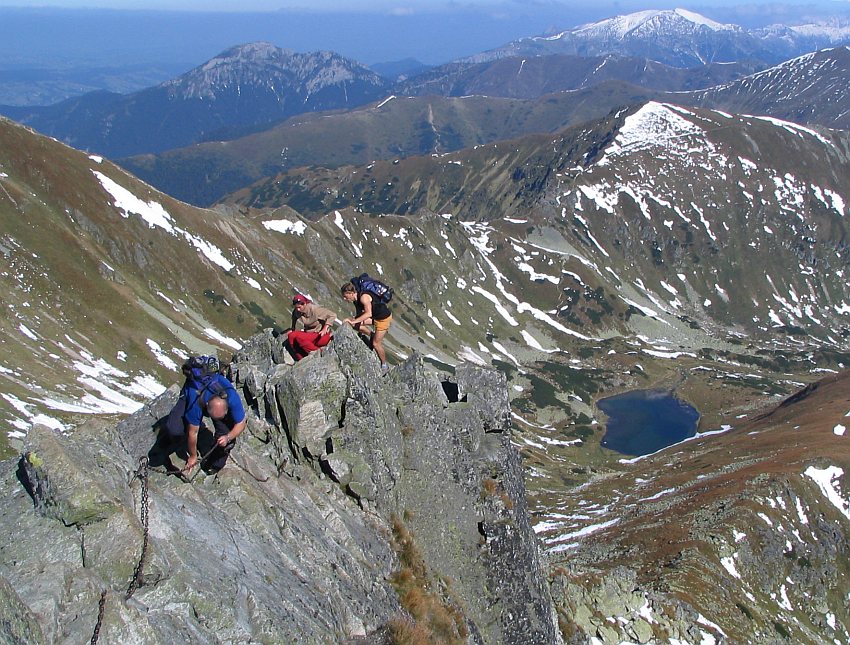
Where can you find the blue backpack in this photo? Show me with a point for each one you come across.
(364, 284)
(201, 369)
(200, 374)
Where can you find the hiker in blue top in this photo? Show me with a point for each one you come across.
(220, 402)
(206, 393)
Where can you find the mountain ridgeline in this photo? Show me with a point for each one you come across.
(809, 89)
(251, 87)
(497, 100)
(679, 38)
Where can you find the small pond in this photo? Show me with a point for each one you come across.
(641, 422)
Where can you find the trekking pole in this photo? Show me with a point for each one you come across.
(201, 462)
(207, 454)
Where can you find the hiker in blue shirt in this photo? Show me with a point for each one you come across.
(219, 401)
(205, 393)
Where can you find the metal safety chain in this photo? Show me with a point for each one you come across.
(141, 474)
(101, 607)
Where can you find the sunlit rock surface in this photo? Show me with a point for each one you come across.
(292, 541)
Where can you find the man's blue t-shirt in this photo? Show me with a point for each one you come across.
(218, 383)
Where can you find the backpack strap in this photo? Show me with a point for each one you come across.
(222, 392)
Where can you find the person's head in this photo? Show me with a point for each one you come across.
(217, 407)
(349, 292)
(299, 302)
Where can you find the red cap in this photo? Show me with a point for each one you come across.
(300, 300)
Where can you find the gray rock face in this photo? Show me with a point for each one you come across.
(291, 541)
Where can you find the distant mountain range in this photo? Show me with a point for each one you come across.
(679, 38)
(396, 127)
(399, 127)
(399, 69)
(251, 87)
(47, 86)
(243, 89)
(582, 89)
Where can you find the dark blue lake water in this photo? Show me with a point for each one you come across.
(644, 421)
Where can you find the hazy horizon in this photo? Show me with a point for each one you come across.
(376, 31)
(507, 8)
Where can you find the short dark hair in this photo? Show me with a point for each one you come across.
(348, 288)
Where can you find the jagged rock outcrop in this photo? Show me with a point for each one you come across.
(300, 538)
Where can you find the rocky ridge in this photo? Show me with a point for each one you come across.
(345, 487)
(808, 89)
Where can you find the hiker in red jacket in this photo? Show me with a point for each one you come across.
(315, 325)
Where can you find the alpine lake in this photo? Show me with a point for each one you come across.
(641, 422)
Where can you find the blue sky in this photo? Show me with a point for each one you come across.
(507, 8)
(397, 7)
(369, 31)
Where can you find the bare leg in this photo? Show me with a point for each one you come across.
(365, 331)
(378, 345)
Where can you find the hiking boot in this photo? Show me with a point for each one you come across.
(384, 369)
(213, 469)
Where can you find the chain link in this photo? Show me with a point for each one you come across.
(135, 583)
(100, 609)
(142, 474)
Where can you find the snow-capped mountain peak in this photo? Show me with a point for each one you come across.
(833, 31)
(679, 38)
(645, 22)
